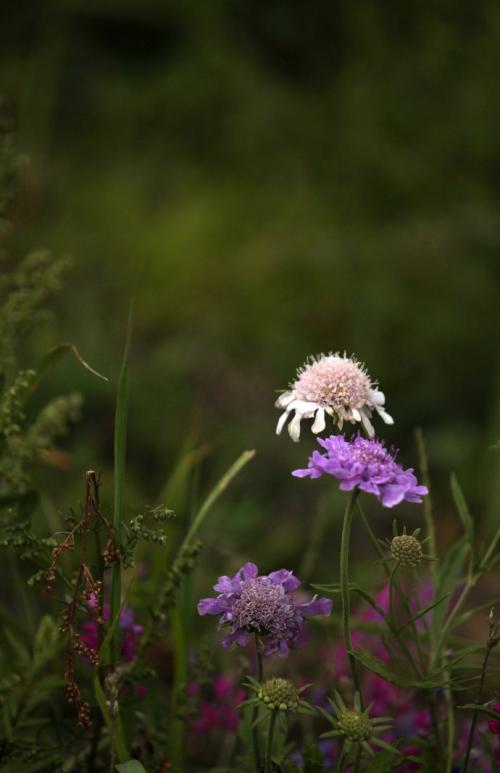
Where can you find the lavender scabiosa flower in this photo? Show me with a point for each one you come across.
(366, 465)
(262, 605)
(334, 384)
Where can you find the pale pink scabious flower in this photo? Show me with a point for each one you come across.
(332, 384)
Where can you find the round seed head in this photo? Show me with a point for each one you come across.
(279, 694)
(354, 725)
(334, 380)
(406, 550)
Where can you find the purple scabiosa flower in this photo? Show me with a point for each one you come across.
(331, 384)
(366, 465)
(263, 605)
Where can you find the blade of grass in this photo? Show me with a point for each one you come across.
(178, 619)
(217, 490)
(120, 444)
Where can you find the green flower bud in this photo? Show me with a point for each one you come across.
(406, 550)
(354, 725)
(279, 694)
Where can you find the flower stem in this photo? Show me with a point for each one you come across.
(479, 700)
(269, 746)
(255, 712)
(341, 760)
(344, 588)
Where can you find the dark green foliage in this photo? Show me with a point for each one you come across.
(137, 530)
(182, 566)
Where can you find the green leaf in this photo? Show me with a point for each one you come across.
(47, 642)
(480, 708)
(447, 580)
(313, 759)
(462, 508)
(217, 490)
(423, 612)
(55, 354)
(335, 588)
(382, 762)
(373, 663)
(131, 766)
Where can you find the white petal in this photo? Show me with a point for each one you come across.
(356, 414)
(294, 427)
(281, 422)
(365, 421)
(284, 399)
(319, 421)
(383, 415)
(377, 398)
(303, 407)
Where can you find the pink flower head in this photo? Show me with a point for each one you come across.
(336, 385)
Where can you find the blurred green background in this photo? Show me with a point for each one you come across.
(268, 180)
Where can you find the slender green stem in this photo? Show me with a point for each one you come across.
(255, 711)
(450, 738)
(428, 512)
(120, 442)
(470, 582)
(269, 745)
(391, 595)
(341, 760)
(479, 700)
(344, 588)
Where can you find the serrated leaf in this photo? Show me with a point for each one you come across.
(462, 508)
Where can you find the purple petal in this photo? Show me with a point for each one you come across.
(212, 606)
(239, 636)
(392, 495)
(285, 578)
(316, 606)
(307, 473)
(283, 648)
(226, 584)
(247, 572)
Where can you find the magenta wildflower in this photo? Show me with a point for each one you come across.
(494, 724)
(218, 709)
(262, 605)
(366, 465)
(131, 631)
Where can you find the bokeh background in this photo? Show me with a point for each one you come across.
(267, 180)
